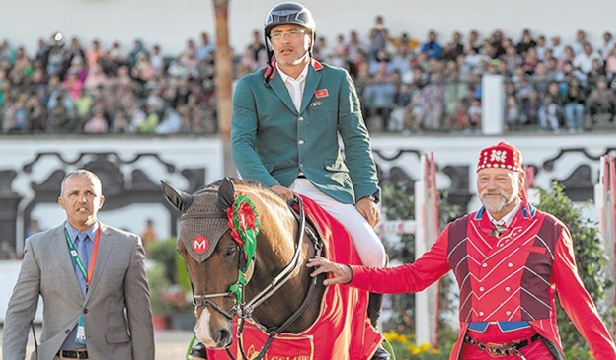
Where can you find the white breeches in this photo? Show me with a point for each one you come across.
(367, 244)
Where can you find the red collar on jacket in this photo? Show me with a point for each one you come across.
(269, 73)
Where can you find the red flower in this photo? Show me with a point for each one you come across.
(246, 219)
(246, 216)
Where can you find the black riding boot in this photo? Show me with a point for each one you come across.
(198, 352)
(375, 303)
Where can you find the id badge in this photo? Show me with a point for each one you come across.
(80, 337)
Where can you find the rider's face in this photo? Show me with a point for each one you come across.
(290, 43)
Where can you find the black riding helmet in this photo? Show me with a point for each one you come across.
(287, 13)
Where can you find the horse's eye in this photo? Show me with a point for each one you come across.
(230, 252)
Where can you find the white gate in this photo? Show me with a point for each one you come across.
(426, 229)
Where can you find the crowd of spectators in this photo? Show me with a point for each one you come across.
(405, 84)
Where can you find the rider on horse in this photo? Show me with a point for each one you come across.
(285, 130)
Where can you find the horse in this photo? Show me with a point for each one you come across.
(245, 251)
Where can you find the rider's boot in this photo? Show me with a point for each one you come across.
(198, 352)
(375, 303)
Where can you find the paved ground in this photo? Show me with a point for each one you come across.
(170, 345)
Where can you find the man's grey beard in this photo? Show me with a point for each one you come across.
(494, 205)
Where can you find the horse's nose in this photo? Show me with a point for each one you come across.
(223, 338)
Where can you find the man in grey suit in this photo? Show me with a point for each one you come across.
(92, 279)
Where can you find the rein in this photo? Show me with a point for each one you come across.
(246, 310)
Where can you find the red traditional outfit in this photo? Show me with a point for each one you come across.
(507, 280)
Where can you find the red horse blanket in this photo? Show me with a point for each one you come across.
(342, 331)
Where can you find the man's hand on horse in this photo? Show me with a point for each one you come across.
(284, 192)
(343, 274)
(369, 210)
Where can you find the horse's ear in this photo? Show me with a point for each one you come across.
(226, 194)
(178, 198)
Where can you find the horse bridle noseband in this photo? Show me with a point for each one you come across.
(245, 310)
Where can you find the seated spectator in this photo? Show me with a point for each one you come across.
(157, 62)
(601, 103)
(98, 123)
(607, 46)
(610, 64)
(433, 97)
(568, 57)
(142, 71)
(256, 47)
(551, 107)
(526, 42)
(5, 85)
(473, 42)
(22, 67)
(574, 105)
(170, 124)
(528, 98)
(138, 48)
(583, 61)
(541, 48)
(404, 41)
(431, 47)
(15, 115)
(96, 78)
(511, 59)
(205, 51)
(95, 54)
(73, 85)
(558, 49)
(453, 48)
(474, 115)
(321, 51)
(83, 105)
(60, 114)
(597, 71)
(380, 63)
(530, 61)
(512, 113)
(115, 58)
(6, 251)
(580, 40)
(378, 37)
(77, 66)
(379, 98)
(37, 116)
(120, 122)
(56, 56)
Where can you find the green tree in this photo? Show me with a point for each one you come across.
(591, 260)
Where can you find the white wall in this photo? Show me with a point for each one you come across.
(184, 153)
(172, 22)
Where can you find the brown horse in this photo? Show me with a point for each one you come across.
(279, 294)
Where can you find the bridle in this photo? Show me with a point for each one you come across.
(244, 311)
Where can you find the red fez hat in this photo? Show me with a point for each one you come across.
(500, 156)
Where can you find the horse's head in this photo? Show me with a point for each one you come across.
(218, 240)
(213, 258)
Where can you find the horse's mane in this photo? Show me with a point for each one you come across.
(248, 187)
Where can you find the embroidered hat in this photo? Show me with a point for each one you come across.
(500, 156)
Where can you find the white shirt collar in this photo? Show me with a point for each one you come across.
(507, 219)
(286, 77)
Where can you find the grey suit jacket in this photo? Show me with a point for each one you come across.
(116, 311)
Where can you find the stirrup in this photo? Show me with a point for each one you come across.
(381, 354)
